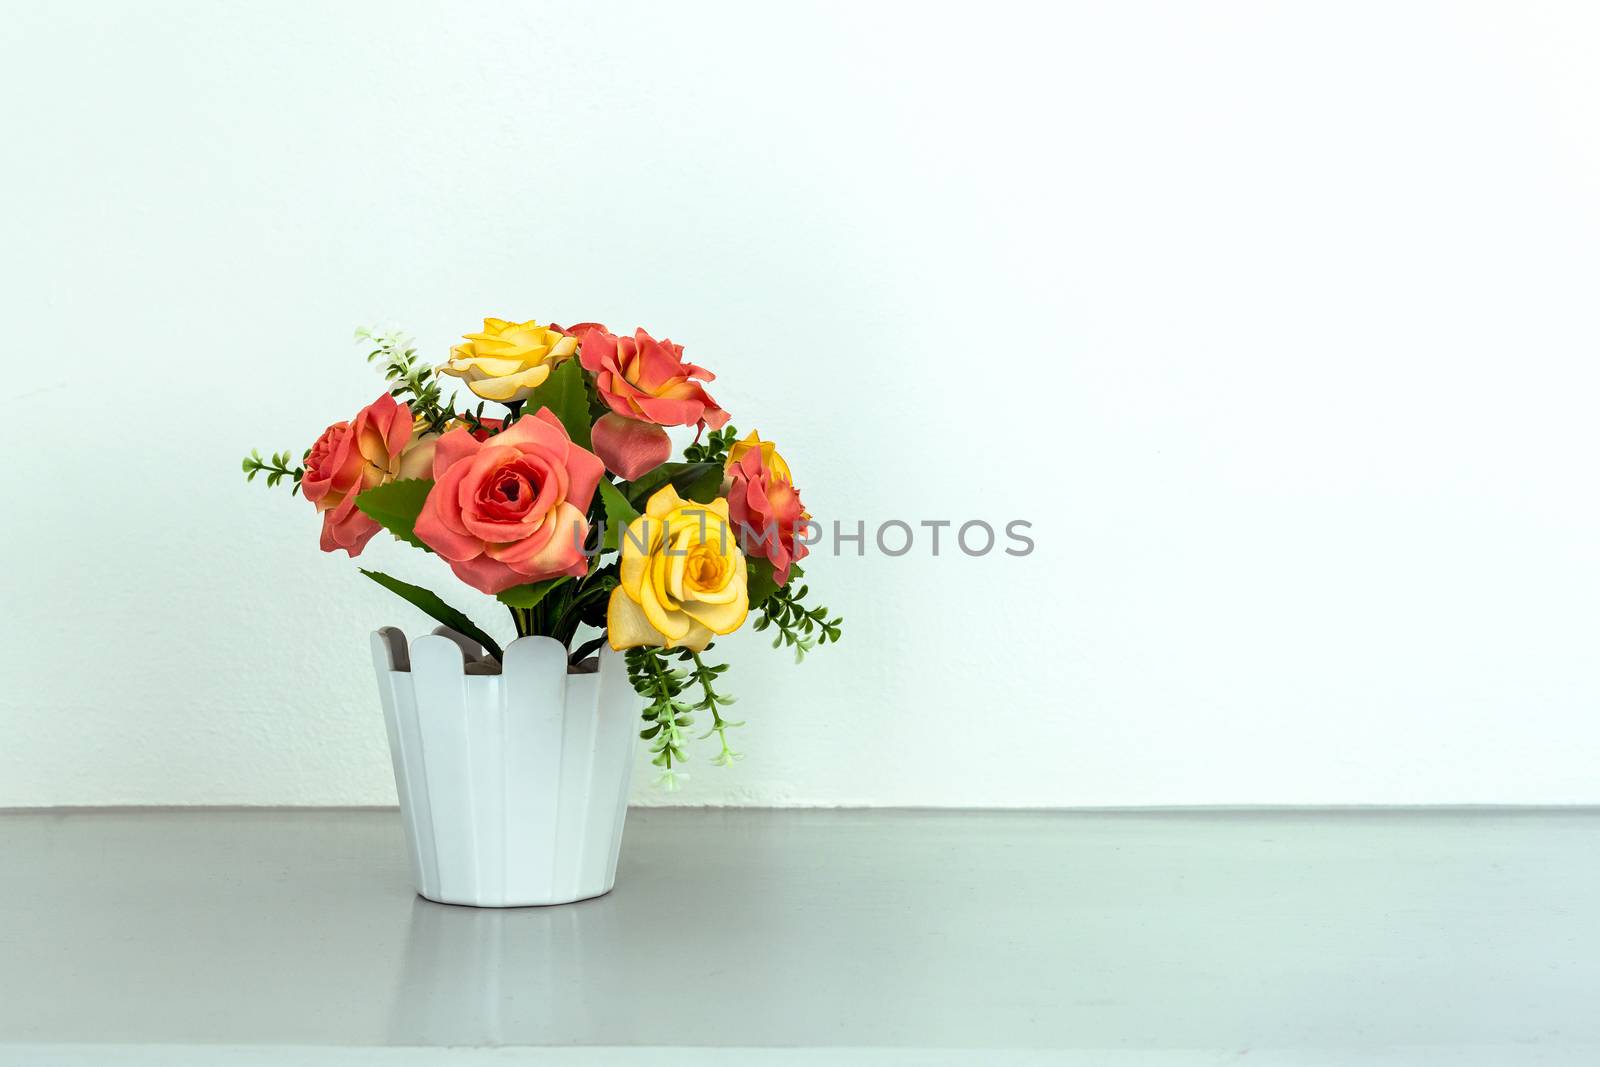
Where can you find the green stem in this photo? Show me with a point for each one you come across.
(706, 677)
(669, 726)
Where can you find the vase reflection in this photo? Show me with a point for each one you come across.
(477, 976)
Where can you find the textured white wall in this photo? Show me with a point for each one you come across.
(1278, 321)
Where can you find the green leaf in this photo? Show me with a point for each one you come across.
(706, 488)
(618, 510)
(567, 398)
(429, 604)
(527, 596)
(619, 514)
(639, 492)
(396, 506)
(699, 482)
(760, 583)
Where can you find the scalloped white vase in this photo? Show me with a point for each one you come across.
(513, 785)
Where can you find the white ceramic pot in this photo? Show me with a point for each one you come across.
(513, 784)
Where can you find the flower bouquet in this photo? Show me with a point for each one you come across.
(618, 566)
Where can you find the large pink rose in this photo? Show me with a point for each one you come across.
(646, 380)
(351, 457)
(510, 509)
(766, 508)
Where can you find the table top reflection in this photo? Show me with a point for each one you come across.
(794, 929)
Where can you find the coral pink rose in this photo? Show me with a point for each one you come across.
(646, 380)
(351, 457)
(766, 507)
(510, 509)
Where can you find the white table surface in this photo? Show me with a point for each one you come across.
(816, 936)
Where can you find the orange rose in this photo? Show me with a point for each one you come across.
(376, 447)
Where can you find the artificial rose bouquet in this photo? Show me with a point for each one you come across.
(568, 509)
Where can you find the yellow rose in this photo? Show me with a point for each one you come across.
(769, 455)
(509, 360)
(683, 576)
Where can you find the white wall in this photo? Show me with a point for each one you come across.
(1278, 321)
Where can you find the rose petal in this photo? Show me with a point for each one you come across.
(628, 448)
(626, 625)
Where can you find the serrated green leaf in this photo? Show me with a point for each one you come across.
(396, 506)
(428, 602)
(565, 394)
(619, 514)
(528, 596)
